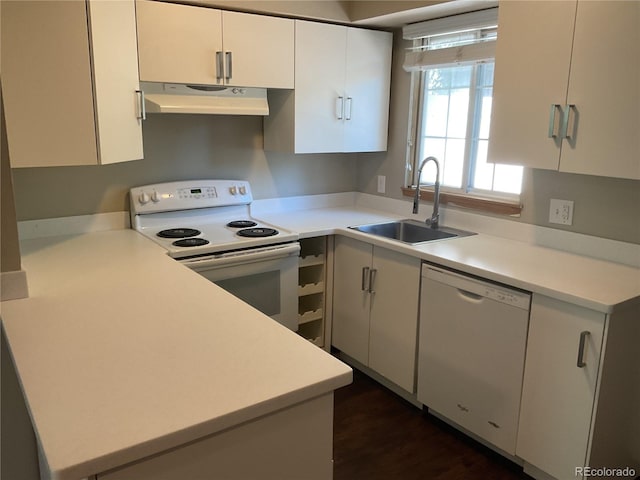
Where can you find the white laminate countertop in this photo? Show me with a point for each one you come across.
(589, 282)
(122, 353)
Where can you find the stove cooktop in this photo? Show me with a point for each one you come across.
(201, 217)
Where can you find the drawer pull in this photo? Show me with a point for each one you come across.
(583, 340)
(553, 127)
(365, 275)
(372, 280)
(462, 408)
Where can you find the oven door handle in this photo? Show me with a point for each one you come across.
(243, 256)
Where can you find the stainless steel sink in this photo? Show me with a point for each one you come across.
(411, 231)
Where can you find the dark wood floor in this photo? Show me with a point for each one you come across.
(378, 435)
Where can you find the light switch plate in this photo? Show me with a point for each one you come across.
(561, 212)
(382, 180)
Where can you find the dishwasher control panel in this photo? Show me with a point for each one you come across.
(478, 288)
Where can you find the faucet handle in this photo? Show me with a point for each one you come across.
(433, 221)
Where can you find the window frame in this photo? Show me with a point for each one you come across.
(469, 197)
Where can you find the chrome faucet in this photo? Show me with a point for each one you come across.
(433, 221)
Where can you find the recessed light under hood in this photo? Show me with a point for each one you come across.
(204, 99)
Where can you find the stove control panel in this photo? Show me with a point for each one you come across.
(184, 195)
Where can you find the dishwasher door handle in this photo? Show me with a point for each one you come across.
(470, 296)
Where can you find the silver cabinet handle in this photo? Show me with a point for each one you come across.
(372, 279)
(583, 340)
(348, 108)
(552, 119)
(365, 276)
(228, 66)
(339, 107)
(567, 130)
(142, 109)
(219, 66)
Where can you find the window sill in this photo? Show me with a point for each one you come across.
(500, 207)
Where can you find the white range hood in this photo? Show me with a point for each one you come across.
(204, 99)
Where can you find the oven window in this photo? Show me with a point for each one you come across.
(260, 290)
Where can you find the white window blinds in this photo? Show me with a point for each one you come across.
(459, 39)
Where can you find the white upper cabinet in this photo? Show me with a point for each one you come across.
(341, 99)
(568, 99)
(187, 44)
(70, 82)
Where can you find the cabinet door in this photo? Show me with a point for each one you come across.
(46, 84)
(319, 95)
(115, 76)
(178, 43)
(531, 74)
(351, 299)
(368, 80)
(558, 396)
(262, 50)
(394, 316)
(605, 88)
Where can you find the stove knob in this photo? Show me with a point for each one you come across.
(243, 190)
(233, 190)
(155, 197)
(144, 198)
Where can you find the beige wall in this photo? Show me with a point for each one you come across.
(604, 207)
(181, 147)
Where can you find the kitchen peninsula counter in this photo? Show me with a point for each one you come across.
(123, 353)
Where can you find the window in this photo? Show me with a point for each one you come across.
(452, 63)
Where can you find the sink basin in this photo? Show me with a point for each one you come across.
(411, 231)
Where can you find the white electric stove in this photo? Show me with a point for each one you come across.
(207, 226)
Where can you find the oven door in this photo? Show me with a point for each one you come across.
(266, 278)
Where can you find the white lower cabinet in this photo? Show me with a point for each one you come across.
(293, 443)
(375, 308)
(581, 390)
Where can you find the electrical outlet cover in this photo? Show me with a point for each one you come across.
(561, 212)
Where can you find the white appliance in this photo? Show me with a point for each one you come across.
(471, 353)
(203, 99)
(206, 225)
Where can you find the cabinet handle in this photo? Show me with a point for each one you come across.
(141, 106)
(566, 131)
(552, 119)
(365, 276)
(339, 107)
(229, 65)
(219, 66)
(372, 279)
(348, 108)
(583, 340)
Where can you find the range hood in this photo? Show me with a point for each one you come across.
(204, 99)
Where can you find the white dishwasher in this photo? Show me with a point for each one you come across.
(471, 353)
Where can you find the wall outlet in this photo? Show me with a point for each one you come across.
(382, 180)
(561, 211)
